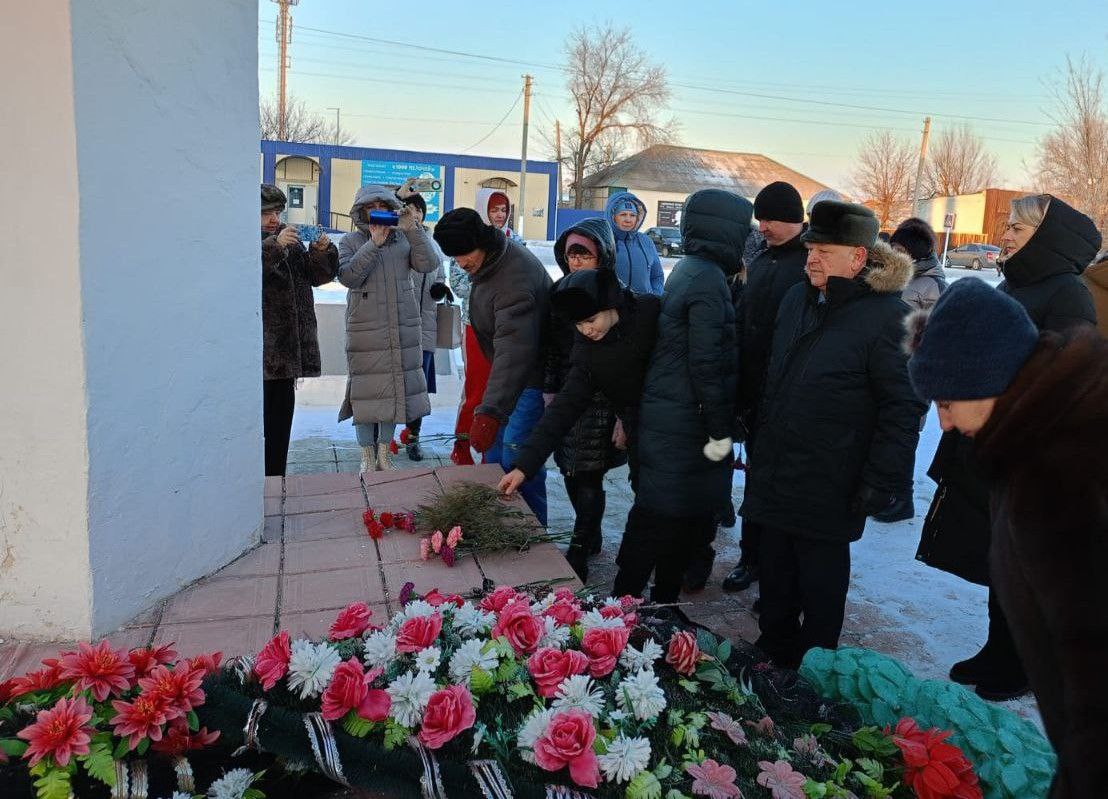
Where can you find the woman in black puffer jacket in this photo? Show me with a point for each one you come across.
(589, 450)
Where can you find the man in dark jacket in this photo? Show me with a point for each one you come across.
(776, 269)
(688, 403)
(837, 428)
(616, 331)
(290, 343)
(508, 308)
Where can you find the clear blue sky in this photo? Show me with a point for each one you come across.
(987, 60)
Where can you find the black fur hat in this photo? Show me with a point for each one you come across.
(585, 293)
(841, 223)
(462, 231)
(916, 237)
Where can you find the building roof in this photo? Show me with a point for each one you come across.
(683, 170)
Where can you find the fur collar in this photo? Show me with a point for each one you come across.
(887, 271)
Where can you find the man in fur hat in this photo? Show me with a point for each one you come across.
(837, 428)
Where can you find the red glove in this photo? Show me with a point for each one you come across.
(461, 454)
(482, 434)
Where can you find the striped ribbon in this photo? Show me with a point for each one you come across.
(431, 782)
(324, 747)
(493, 783)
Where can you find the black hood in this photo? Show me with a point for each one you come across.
(600, 232)
(714, 225)
(1065, 242)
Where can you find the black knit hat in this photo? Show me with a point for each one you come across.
(972, 344)
(273, 199)
(841, 223)
(585, 293)
(779, 202)
(916, 237)
(461, 231)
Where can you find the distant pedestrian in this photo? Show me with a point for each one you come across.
(495, 208)
(1035, 407)
(916, 239)
(290, 342)
(637, 263)
(386, 385)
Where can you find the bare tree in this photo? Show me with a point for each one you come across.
(617, 92)
(1073, 158)
(958, 163)
(883, 175)
(301, 125)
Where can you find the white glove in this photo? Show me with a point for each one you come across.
(409, 218)
(717, 449)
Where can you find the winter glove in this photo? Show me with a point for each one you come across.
(870, 502)
(440, 291)
(409, 218)
(461, 454)
(717, 449)
(482, 434)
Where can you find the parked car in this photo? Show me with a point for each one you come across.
(973, 256)
(667, 240)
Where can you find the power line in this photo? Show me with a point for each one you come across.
(495, 129)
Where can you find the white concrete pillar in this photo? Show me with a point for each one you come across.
(130, 332)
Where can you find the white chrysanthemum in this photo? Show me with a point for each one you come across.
(625, 758)
(532, 729)
(616, 716)
(579, 692)
(428, 659)
(415, 609)
(380, 649)
(471, 620)
(180, 795)
(646, 696)
(232, 785)
(311, 667)
(633, 659)
(539, 605)
(554, 635)
(612, 602)
(469, 655)
(410, 693)
(592, 618)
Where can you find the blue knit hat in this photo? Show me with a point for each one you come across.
(971, 345)
(626, 205)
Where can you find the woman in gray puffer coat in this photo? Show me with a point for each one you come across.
(916, 239)
(386, 385)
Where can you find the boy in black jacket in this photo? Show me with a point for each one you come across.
(616, 330)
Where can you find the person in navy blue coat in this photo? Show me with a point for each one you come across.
(637, 263)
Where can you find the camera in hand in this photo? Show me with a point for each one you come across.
(425, 185)
(309, 234)
(384, 218)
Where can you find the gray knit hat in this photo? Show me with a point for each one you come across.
(971, 345)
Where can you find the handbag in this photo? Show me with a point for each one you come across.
(448, 319)
(956, 535)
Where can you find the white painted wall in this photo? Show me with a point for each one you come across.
(44, 583)
(969, 210)
(172, 307)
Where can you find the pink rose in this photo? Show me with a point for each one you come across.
(683, 653)
(604, 646)
(272, 662)
(564, 612)
(550, 666)
(498, 599)
(449, 712)
(353, 620)
(349, 690)
(521, 627)
(418, 633)
(568, 742)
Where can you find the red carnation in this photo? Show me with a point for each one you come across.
(448, 556)
(61, 732)
(395, 450)
(99, 668)
(367, 516)
(934, 769)
(272, 662)
(405, 436)
(376, 530)
(142, 718)
(387, 519)
(352, 621)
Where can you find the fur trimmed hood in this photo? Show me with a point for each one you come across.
(887, 271)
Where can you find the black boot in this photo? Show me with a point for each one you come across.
(415, 452)
(577, 555)
(740, 578)
(588, 500)
(971, 670)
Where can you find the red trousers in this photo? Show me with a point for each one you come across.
(477, 368)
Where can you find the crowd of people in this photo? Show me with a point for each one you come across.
(790, 338)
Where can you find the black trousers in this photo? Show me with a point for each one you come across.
(803, 585)
(1003, 661)
(662, 545)
(586, 494)
(750, 544)
(278, 401)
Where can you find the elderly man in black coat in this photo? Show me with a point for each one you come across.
(838, 427)
(687, 410)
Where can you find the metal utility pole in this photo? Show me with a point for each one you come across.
(523, 157)
(337, 126)
(558, 155)
(284, 36)
(919, 169)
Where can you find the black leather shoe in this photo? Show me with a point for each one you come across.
(1002, 690)
(740, 578)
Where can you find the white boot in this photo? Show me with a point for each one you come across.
(384, 464)
(369, 460)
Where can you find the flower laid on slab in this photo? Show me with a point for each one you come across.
(445, 546)
(377, 524)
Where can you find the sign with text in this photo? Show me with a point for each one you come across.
(948, 220)
(394, 173)
(669, 213)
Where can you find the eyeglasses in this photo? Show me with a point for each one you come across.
(581, 257)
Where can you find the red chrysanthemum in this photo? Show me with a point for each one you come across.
(146, 660)
(395, 450)
(179, 739)
(61, 732)
(141, 718)
(6, 691)
(933, 768)
(405, 436)
(208, 663)
(272, 662)
(180, 688)
(99, 668)
(44, 679)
